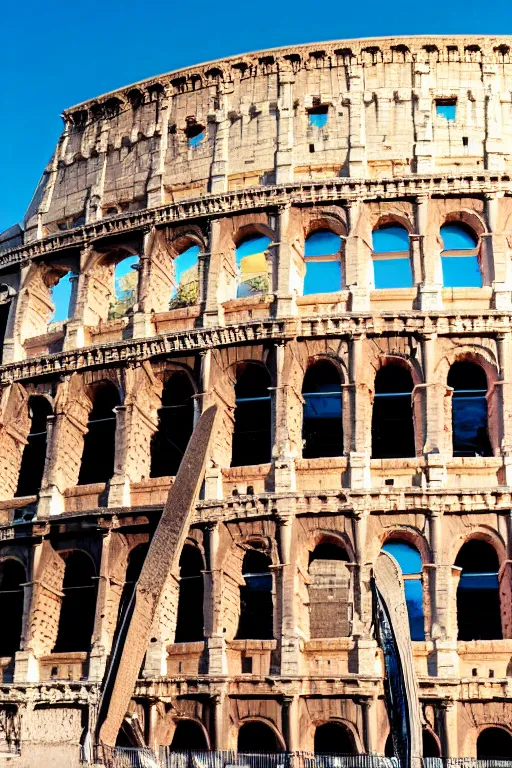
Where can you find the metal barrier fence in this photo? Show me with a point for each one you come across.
(125, 757)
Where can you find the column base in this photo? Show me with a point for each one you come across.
(26, 667)
(119, 492)
(217, 656)
(360, 475)
(51, 502)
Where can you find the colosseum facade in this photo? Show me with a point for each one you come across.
(318, 240)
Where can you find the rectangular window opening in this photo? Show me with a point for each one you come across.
(318, 116)
(246, 665)
(446, 108)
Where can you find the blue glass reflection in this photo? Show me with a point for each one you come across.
(390, 239)
(61, 298)
(469, 424)
(392, 273)
(479, 581)
(457, 238)
(407, 556)
(318, 119)
(322, 277)
(323, 406)
(448, 111)
(252, 246)
(323, 243)
(461, 272)
(409, 560)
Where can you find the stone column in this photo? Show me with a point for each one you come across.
(220, 718)
(357, 128)
(100, 638)
(142, 325)
(431, 270)
(358, 259)
(503, 417)
(214, 313)
(291, 723)
(289, 263)
(290, 646)
(217, 657)
(219, 172)
(450, 731)
(286, 404)
(359, 458)
(284, 154)
(434, 394)
(424, 147)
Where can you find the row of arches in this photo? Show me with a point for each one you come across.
(330, 738)
(329, 588)
(116, 274)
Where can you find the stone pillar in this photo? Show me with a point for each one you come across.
(290, 646)
(431, 270)
(291, 723)
(220, 718)
(359, 458)
(368, 735)
(142, 325)
(219, 172)
(289, 264)
(424, 147)
(284, 154)
(450, 731)
(216, 643)
(214, 313)
(434, 417)
(503, 417)
(287, 409)
(136, 421)
(357, 129)
(100, 639)
(358, 259)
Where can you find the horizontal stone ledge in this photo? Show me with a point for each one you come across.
(339, 189)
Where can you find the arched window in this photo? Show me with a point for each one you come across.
(189, 625)
(134, 567)
(100, 440)
(459, 259)
(469, 410)
(322, 254)
(391, 257)
(330, 605)
(76, 621)
(253, 418)
(252, 266)
(61, 297)
(409, 560)
(175, 426)
(430, 744)
(186, 278)
(188, 736)
(256, 605)
(34, 452)
(126, 279)
(12, 578)
(322, 426)
(334, 738)
(494, 743)
(392, 418)
(478, 595)
(257, 737)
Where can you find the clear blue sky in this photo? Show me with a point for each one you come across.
(55, 54)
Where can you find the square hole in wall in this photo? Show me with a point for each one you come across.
(318, 116)
(246, 664)
(389, 481)
(446, 108)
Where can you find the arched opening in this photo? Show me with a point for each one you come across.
(478, 595)
(175, 426)
(322, 254)
(392, 418)
(126, 278)
(409, 560)
(334, 738)
(330, 605)
(190, 623)
(78, 606)
(252, 428)
(185, 292)
(257, 737)
(34, 452)
(12, 577)
(62, 294)
(189, 736)
(322, 425)
(256, 605)
(134, 567)
(494, 743)
(251, 261)
(470, 435)
(391, 257)
(430, 744)
(100, 440)
(459, 258)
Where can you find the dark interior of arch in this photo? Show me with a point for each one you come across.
(334, 738)
(494, 742)
(4, 317)
(190, 622)
(253, 417)
(134, 567)
(469, 410)
(189, 735)
(34, 452)
(322, 426)
(478, 597)
(257, 737)
(327, 550)
(12, 576)
(76, 621)
(430, 744)
(175, 426)
(100, 440)
(256, 605)
(392, 417)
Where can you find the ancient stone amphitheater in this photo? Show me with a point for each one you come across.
(318, 239)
